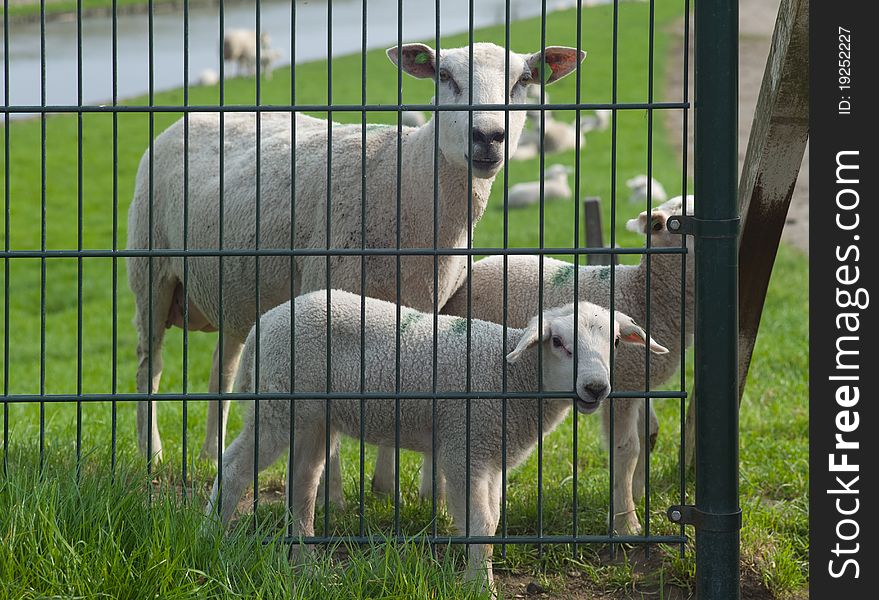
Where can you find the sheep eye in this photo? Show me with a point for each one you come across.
(557, 342)
(657, 226)
(616, 343)
(525, 78)
(444, 75)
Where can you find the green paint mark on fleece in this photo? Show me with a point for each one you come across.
(421, 58)
(604, 273)
(409, 319)
(458, 326)
(563, 276)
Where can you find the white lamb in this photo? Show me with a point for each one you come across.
(239, 46)
(555, 187)
(587, 382)
(208, 77)
(630, 293)
(160, 198)
(559, 136)
(639, 185)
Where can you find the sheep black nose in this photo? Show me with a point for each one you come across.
(495, 136)
(597, 391)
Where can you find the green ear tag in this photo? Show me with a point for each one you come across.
(421, 58)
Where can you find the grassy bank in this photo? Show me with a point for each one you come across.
(161, 551)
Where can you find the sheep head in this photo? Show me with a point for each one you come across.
(488, 85)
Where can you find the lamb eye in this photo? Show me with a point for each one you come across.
(616, 343)
(444, 75)
(557, 341)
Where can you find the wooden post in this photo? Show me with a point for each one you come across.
(594, 235)
(775, 152)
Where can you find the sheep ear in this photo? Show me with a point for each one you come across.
(417, 60)
(529, 339)
(554, 63)
(631, 333)
(638, 225)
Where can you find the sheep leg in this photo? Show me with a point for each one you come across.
(425, 491)
(484, 517)
(639, 478)
(309, 453)
(238, 467)
(149, 361)
(385, 467)
(626, 447)
(214, 439)
(337, 495)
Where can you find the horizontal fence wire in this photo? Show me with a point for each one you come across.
(171, 397)
(263, 108)
(245, 252)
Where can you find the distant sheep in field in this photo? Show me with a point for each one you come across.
(239, 47)
(555, 187)
(560, 335)
(159, 200)
(639, 186)
(208, 77)
(593, 283)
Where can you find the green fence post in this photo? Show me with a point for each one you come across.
(716, 342)
(716, 515)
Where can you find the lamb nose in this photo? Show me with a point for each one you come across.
(488, 137)
(598, 391)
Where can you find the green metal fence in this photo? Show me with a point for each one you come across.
(715, 515)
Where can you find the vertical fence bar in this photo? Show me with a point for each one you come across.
(716, 376)
(258, 312)
(221, 314)
(361, 498)
(79, 217)
(329, 210)
(292, 423)
(612, 266)
(540, 279)
(435, 324)
(506, 290)
(6, 229)
(649, 294)
(185, 407)
(398, 244)
(114, 54)
(576, 260)
(685, 150)
(42, 231)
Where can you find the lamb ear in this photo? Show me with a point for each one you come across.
(631, 333)
(529, 339)
(554, 63)
(418, 60)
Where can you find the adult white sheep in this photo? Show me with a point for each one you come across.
(159, 203)
(555, 187)
(630, 293)
(239, 46)
(587, 382)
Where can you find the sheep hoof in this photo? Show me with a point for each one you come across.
(380, 488)
(208, 455)
(627, 524)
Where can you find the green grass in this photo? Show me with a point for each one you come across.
(64, 539)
